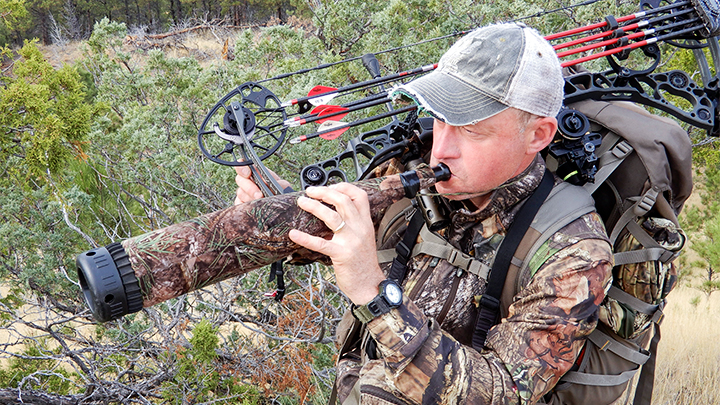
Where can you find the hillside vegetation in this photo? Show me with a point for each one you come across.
(98, 143)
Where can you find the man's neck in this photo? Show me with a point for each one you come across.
(477, 203)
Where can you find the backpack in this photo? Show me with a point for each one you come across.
(643, 181)
(643, 178)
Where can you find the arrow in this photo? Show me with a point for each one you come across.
(319, 114)
(619, 41)
(622, 19)
(325, 131)
(323, 113)
(359, 85)
(625, 29)
(337, 125)
(328, 126)
(635, 45)
(320, 95)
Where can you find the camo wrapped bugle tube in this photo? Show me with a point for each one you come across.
(186, 256)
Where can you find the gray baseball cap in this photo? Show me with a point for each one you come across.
(487, 71)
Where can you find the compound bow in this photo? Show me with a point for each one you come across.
(250, 123)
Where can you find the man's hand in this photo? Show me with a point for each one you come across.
(247, 189)
(352, 248)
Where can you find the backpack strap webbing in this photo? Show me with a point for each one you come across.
(565, 204)
(612, 153)
(489, 303)
(603, 341)
(404, 248)
(636, 304)
(436, 246)
(644, 389)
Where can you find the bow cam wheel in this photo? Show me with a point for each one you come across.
(222, 136)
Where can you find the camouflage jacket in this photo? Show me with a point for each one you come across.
(424, 349)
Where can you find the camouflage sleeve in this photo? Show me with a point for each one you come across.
(527, 352)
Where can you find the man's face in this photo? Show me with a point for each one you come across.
(481, 156)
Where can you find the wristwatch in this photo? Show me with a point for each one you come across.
(390, 297)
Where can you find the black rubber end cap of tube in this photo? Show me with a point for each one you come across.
(108, 282)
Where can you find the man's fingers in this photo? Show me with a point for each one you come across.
(311, 242)
(243, 171)
(350, 202)
(357, 195)
(340, 201)
(244, 180)
(324, 213)
(247, 190)
(242, 195)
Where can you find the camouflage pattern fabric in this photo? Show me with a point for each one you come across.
(649, 281)
(424, 348)
(186, 256)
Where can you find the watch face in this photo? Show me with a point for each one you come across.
(393, 294)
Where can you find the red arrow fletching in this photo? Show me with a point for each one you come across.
(337, 112)
(332, 134)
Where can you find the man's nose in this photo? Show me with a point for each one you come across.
(445, 142)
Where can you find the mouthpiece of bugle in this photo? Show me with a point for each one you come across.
(124, 277)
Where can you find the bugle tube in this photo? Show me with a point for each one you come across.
(124, 277)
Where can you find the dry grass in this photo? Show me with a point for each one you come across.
(688, 365)
(203, 45)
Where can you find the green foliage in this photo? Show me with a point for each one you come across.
(44, 123)
(145, 141)
(12, 13)
(34, 369)
(106, 149)
(44, 116)
(57, 21)
(703, 225)
(197, 378)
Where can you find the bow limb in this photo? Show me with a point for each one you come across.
(261, 175)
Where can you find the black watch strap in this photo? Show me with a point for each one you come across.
(380, 304)
(371, 310)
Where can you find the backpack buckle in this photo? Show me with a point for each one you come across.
(459, 259)
(622, 149)
(647, 201)
(403, 250)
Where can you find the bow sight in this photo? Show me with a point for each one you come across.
(250, 124)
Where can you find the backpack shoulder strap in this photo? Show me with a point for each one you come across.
(489, 302)
(565, 204)
(404, 248)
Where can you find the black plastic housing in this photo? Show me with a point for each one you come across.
(108, 282)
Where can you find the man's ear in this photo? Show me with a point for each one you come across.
(541, 132)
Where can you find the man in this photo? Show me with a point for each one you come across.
(494, 97)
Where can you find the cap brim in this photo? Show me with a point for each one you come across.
(450, 99)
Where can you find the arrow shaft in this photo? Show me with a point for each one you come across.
(622, 19)
(321, 116)
(349, 106)
(640, 24)
(611, 42)
(635, 45)
(356, 123)
(367, 83)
